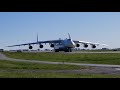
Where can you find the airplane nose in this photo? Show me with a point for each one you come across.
(69, 43)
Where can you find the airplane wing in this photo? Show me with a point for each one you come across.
(22, 44)
(84, 42)
(39, 42)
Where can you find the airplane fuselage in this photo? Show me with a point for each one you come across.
(64, 45)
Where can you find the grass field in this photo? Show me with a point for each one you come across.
(53, 75)
(98, 58)
(10, 69)
(11, 65)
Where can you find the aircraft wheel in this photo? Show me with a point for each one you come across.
(66, 50)
(56, 50)
(70, 50)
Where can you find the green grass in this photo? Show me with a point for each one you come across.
(11, 65)
(98, 58)
(53, 75)
(11, 69)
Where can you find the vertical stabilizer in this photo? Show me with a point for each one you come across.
(37, 37)
(69, 36)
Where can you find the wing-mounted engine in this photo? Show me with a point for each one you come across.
(77, 45)
(52, 45)
(30, 47)
(93, 46)
(41, 46)
(85, 45)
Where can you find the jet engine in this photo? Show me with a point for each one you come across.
(85, 45)
(52, 45)
(41, 46)
(77, 45)
(93, 46)
(30, 47)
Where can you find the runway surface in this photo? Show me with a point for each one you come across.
(73, 52)
(95, 52)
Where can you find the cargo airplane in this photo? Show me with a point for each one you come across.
(61, 45)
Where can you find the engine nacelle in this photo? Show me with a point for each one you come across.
(41, 46)
(77, 45)
(85, 45)
(52, 45)
(93, 46)
(30, 47)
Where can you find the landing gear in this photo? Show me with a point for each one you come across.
(56, 50)
(65, 50)
(68, 50)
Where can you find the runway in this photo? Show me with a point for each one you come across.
(71, 52)
(95, 52)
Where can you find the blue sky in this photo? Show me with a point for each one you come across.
(22, 27)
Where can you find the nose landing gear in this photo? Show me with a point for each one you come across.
(68, 50)
(65, 50)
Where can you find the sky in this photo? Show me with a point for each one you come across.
(22, 27)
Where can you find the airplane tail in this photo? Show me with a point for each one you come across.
(37, 37)
(69, 36)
